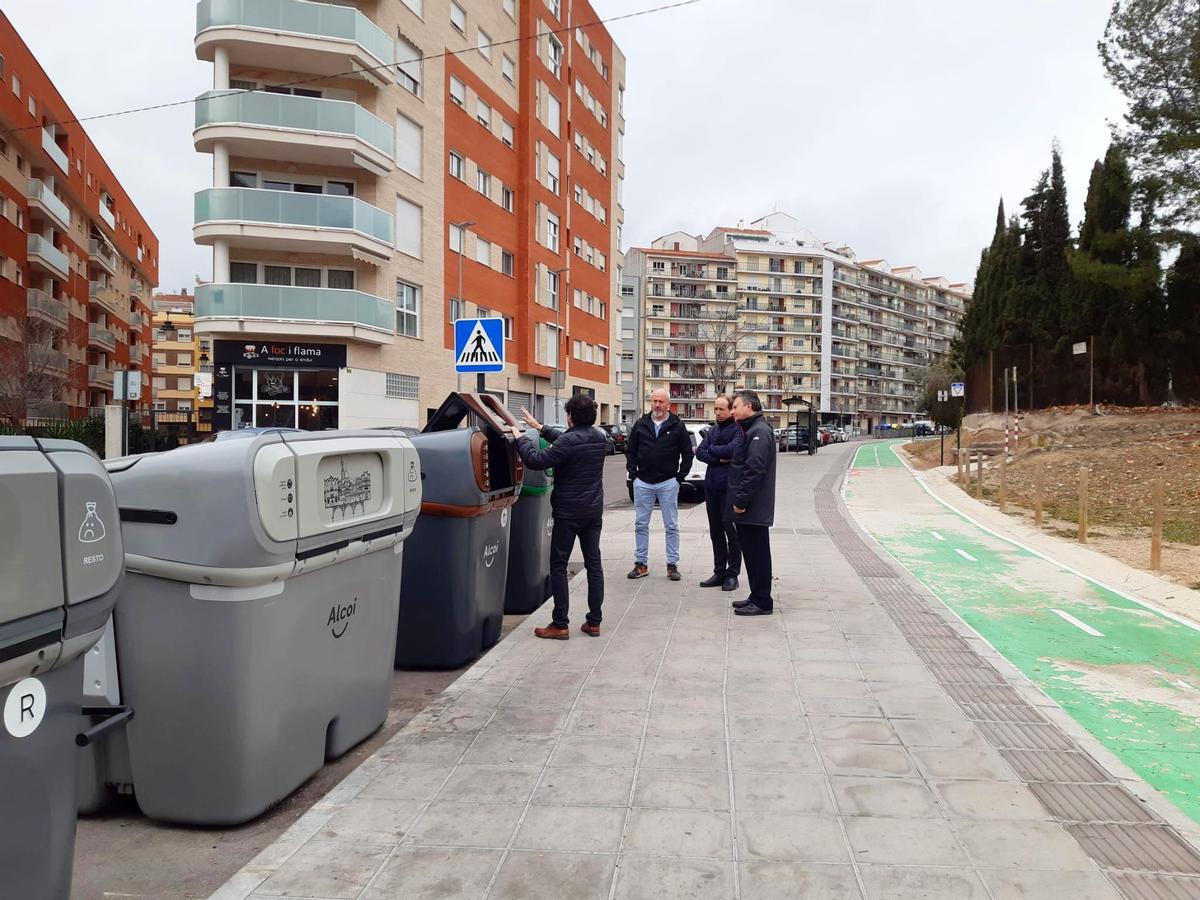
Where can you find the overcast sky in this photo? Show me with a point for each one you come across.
(891, 125)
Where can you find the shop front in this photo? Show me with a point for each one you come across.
(276, 383)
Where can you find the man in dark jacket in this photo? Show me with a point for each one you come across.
(658, 456)
(577, 457)
(751, 498)
(717, 450)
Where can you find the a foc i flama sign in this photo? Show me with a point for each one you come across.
(237, 366)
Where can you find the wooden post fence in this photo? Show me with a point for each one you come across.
(1003, 484)
(1156, 530)
(1083, 505)
(979, 476)
(1037, 493)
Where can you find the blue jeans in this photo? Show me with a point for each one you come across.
(644, 495)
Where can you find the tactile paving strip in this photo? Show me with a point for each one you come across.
(1091, 803)
(1143, 857)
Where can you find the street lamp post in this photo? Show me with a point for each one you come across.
(462, 247)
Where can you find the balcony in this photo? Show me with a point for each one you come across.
(325, 312)
(47, 359)
(99, 376)
(135, 354)
(55, 152)
(137, 321)
(304, 223)
(295, 129)
(40, 305)
(99, 336)
(137, 286)
(105, 295)
(107, 215)
(42, 200)
(101, 252)
(295, 36)
(42, 252)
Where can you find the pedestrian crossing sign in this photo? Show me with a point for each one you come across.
(479, 345)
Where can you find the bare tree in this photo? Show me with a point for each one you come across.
(720, 350)
(32, 369)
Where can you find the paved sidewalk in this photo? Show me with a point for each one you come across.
(828, 751)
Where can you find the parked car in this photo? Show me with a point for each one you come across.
(794, 437)
(619, 434)
(691, 490)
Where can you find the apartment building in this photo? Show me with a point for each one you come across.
(182, 363)
(631, 347)
(772, 308)
(78, 262)
(382, 168)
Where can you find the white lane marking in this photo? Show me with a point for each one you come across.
(1178, 682)
(1082, 626)
(937, 536)
(965, 555)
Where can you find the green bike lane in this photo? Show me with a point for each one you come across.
(1127, 673)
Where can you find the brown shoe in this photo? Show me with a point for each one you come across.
(552, 633)
(639, 570)
(590, 629)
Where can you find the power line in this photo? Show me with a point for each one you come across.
(390, 66)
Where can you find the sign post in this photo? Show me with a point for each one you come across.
(479, 347)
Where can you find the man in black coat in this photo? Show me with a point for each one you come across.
(658, 456)
(577, 457)
(717, 450)
(751, 498)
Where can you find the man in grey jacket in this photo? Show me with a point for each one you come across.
(751, 499)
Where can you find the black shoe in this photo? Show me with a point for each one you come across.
(731, 583)
(740, 604)
(751, 610)
(714, 580)
(673, 573)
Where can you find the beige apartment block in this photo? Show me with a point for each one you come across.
(378, 172)
(813, 323)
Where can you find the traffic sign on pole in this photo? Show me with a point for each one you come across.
(479, 345)
(958, 389)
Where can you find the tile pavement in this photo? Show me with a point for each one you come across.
(688, 753)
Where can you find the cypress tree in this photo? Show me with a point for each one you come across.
(1182, 322)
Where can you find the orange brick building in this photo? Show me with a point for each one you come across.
(78, 263)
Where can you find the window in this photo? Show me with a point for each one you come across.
(506, 132)
(483, 183)
(578, 193)
(483, 252)
(408, 309)
(458, 91)
(506, 198)
(508, 328)
(32, 106)
(409, 140)
(552, 289)
(183, 384)
(402, 387)
(458, 166)
(552, 172)
(552, 232)
(553, 113)
(554, 7)
(243, 179)
(458, 18)
(578, 245)
(456, 238)
(414, 5)
(506, 262)
(484, 43)
(338, 279)
(16, 84)
(508, 69)
(183, 359)
(483, 113)
(408, 227)
(242, 273)
(457, 309)
(408, 66)
(510, 7)
(184, 336)
(554, 55)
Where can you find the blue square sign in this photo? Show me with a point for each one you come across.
(478, 345)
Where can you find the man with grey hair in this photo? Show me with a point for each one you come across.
(658, 456)
(751, 499)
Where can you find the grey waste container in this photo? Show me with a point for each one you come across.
(452, 596)
(60, 571)
(528, 582)
(254, 636)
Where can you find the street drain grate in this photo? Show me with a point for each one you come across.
(929, 630)
(1024, 736)
(1091, 803)
(1141, 848)
(967, 675)
(1055, 765)
(1140, 886)
(953, 658)
(937, 642)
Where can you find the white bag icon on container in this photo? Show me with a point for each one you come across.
(92, 528)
